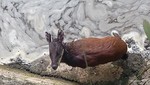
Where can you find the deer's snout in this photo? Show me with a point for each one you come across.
(54, 66)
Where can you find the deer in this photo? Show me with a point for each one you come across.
(85, 52)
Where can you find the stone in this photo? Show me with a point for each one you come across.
(11, 76)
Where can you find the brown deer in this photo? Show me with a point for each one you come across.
(85, 52)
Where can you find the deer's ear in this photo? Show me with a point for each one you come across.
(48, 36)
(60, 35)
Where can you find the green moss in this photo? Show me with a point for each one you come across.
(146, 26)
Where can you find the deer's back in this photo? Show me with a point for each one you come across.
(101, 49)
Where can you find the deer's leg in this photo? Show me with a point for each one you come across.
(82, 60)
(85, 59)
(124, 57)
(48, 37)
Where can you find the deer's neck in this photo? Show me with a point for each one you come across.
(68, 58)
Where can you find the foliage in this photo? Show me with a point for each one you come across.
(146, 26)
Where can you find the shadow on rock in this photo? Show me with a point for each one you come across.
(132, 69)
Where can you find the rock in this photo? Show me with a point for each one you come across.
(110, 72)
(29, 20)
(85, 32)
(147, 44)
(39, 65)
(11, 76)
(91, 74)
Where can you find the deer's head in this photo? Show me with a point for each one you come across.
(56, 49)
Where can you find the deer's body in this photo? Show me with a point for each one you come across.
(96, 50)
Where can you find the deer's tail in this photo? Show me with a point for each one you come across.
(115, 34)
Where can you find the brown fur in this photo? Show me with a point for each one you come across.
(98, 50)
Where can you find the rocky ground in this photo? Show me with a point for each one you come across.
(12, 76)
(134, 71)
